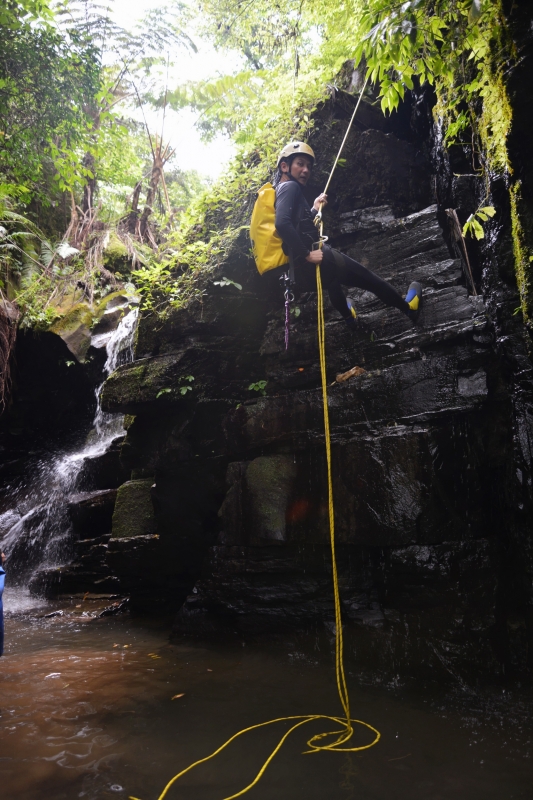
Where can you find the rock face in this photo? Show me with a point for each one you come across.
(414, 461)
(90, 515)
(133, 514)
(422, 445)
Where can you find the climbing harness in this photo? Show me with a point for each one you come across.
(335, 739)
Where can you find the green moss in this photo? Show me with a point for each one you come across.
(74, 327)
(116, 256)
(134, 512)
(102, 306)
(269, 482)
(521, 254)
(80, 314)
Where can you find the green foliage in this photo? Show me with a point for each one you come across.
(473, 226)
(40, 275)
(227, 282)
(264, 32)
(259, 387)
(170, 278)
(16, 13)
(183, 187)
(224, 102)
(44, 80)
(63, 112)
(185, 387)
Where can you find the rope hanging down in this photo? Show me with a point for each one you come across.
(345, 732)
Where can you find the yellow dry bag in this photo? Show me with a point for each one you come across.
(266, 243)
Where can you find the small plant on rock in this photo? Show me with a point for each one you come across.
(227, 282)
(183, 387)
(259, 386)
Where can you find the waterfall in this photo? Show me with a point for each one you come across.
(35, 533)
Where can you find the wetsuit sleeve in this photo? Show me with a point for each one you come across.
(288, 198)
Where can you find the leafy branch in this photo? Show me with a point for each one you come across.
(473, 226)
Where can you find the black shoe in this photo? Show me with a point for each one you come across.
(413, 298)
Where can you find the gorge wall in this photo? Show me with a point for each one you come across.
(214, 507)
(225, 517)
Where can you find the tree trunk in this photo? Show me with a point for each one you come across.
(90, 187)
(89, 163)
(133, 215)
(155, 177)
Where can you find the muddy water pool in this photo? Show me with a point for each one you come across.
(87, 712)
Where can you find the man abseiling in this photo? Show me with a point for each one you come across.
(295, 226)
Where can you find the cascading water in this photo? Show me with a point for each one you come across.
(36, 530)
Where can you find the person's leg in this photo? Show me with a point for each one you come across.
(306, 281)
(351, 273)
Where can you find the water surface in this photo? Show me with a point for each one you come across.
(87, 711)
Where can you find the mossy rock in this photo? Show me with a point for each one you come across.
(158, 379)
(72, 297)
(116, 256)
(122, 297)
(269, 481)
(111, 309)
(134, 512)
(74, 327)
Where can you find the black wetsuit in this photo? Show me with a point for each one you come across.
(294, 223)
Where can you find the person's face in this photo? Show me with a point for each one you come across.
(300, 168)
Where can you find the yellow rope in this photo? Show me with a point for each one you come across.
(345, 733)
(347, 722)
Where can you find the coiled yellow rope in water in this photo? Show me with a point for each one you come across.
(346, 723)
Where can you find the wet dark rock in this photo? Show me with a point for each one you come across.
(147, 572)
(226, 518)
(420, 442)
(418, 445)
(133, 512)
(71, 579)
(52, 399)
(118, 607)
(222, 513)
(105, 471)
(91, 513)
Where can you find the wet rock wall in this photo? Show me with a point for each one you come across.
(433, 581)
